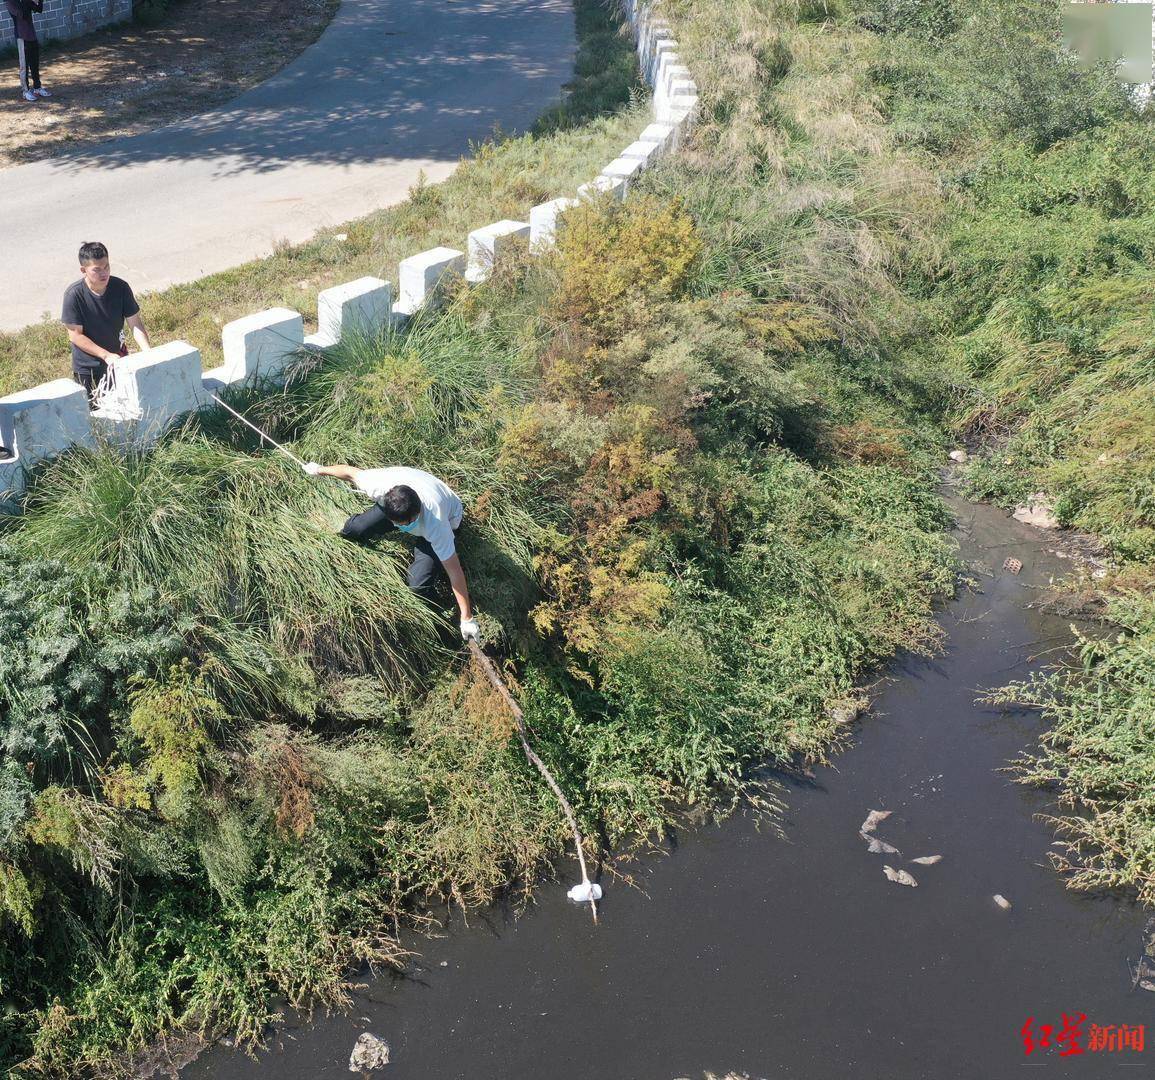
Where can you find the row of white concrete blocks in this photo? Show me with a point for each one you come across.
(156, 387)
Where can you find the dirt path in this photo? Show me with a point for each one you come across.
(132, 79)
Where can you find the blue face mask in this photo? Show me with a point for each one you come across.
(410, 526)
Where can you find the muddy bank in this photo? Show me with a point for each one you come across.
(794, 956)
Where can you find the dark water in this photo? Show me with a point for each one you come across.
(795, 957)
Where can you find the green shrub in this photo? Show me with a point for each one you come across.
(956, 75)
(68, 651)
(614, 257)
(1099, 750)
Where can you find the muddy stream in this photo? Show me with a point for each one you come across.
(794, 956)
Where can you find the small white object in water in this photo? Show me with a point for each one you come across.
(927, 860)
(369, 1052)
(900, 876)
(878, 847)
(873, 818)
(1002, 901)
(581, 894)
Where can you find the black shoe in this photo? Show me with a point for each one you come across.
(5, 453)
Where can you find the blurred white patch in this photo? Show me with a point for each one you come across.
(1098, 32)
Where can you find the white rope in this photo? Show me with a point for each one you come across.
(287, 453)
(104, 390)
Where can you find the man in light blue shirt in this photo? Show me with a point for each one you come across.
(417, 503)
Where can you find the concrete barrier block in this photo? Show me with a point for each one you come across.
(260, 346)
(663, 51)
(488, 244)
(655, 34)
(543, 221)
(669, 74)
(422, 278)
(683, 88)
(364, 306)
(665, 136)
(151, 390)
(216, 379)
(44, 421)
(624, 169)
(642, 150)
(680, 112)
(156, 385)
(603, 185)
(11, 482)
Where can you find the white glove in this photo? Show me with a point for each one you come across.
(470, 631)
(312, 468)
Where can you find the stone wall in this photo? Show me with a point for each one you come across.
(154, 388)
(69, 18)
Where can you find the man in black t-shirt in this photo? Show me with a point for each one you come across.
(96, 309)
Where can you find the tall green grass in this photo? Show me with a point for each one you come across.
(1042, 305)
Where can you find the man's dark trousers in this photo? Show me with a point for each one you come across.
(90, 378)
(28, 53)
(422, 570)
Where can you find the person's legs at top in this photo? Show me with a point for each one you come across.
(32, 48)
(22, 57)
(90, 378)
(367, 524)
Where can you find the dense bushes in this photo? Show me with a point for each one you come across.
(954, 74)
(1045, 293)
(69, 650)
(1044, 303)
(684, 596)
(699, 475)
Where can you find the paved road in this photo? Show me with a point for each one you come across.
(391, 88)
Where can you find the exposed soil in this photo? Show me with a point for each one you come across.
(131, 79)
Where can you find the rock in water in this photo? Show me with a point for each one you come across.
(1038, 512)
(901, 877)
(873, 818)
(845, 712)
(878, 847)
(1002, 901)
(927, 860)
(369, 1052)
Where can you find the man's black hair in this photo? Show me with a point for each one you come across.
(92, 251)
(401, 504)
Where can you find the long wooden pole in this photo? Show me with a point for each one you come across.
(494, 676)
